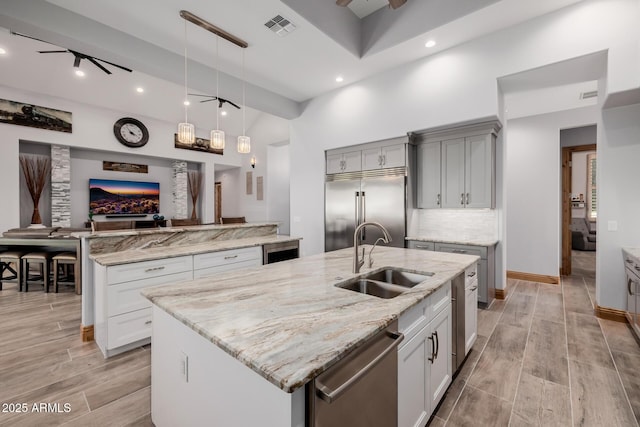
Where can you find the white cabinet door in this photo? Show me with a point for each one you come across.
(440, 368)
(352, 161)
(479, 172)
(335, 163)
(429, 175)
(393, 156)
(413, 395)
(371, 159)
(470, 317)
(452, 184)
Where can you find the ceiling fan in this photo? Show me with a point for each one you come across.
(221, 101)
(393, 4)
(78, 56)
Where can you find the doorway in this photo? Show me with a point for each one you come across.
(217, 202)
(574, 200)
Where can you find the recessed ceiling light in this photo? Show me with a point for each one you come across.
(79, 73)
(223, 113)
(186, 103)
(339, 79)
(2, 51)
(430, 43)
(139, 89)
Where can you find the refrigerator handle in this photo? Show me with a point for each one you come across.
(357, 209)
(363, 210)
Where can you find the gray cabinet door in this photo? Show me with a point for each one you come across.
(453, 192)
(479, 172)
(429, 175)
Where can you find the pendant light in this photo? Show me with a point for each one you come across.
(186, 130)
(244, 142)
(217, 135)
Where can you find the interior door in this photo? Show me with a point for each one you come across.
(341, 200)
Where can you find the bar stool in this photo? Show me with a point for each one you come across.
(42, 259)
(64, 260)
(6, 259)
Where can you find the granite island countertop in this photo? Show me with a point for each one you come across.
(287, 321)
(162, 252)
(633, 253)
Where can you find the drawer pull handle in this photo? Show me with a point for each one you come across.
(148, 270)
(636, 267)
(422, 246)
(231, 257)
(629, 261)
(472, 274)
(473, 289)
(459, 251)
(148, 322)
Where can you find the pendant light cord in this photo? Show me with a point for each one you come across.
(185, 73)
(217, 85)
(244, 105)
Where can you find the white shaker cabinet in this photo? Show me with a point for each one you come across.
(424, 360)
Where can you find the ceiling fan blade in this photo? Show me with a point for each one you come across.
(94, 62)
(199, 94)
(208, 100)
(396, 3)
(76, 61)
(222, 101)
(115, 65)
(53, 51)
(343, 2)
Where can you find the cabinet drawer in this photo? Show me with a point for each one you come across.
(125, 297)
(439, 300)
(414, 319)
(418, 244)
(211, 271)
(147, 269)
(127, 328)
(216, 259)
(480, 251)
(471, 275)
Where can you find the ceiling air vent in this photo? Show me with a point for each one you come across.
(279, 25)
(590, 94)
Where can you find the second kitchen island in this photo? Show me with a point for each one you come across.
(239, 349)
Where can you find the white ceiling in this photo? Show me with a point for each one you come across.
(281, 72)
(364, 8)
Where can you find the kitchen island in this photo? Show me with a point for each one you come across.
(239, 348)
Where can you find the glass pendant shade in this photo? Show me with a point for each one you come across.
(244, 144)
(186, 133)
(217, 139)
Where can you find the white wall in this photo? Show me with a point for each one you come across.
(533, 168)
(278, 179)
(618, 200)
(455, 85)
(93, 130)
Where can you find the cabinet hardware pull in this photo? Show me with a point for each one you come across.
(629, 286)
(231, 256)
(459, 251)
(472, 274)
(474, 288)
(629, 261)
(148, 270)
(636, 267)
(148, 322)
(433, 349)
(438, 200)
(467, 199)
(462, 198)
(437, 346)
(422, 246)
(384, 159)
(328, 395)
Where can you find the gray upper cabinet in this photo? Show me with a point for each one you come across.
(456, 168)
(348, 161)
(387, 156)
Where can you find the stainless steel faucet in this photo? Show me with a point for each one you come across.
(357, 262)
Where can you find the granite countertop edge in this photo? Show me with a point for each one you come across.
(633, 253)
(348, 329)
(152, 254)
(458, 241)
(164, 230)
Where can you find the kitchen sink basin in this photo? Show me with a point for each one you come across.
(373, 287)
(386, 283)
(397, 277)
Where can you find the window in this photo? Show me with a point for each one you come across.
(592, 197)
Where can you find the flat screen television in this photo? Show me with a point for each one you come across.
(116, 197)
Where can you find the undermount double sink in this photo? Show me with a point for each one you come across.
(386, 283)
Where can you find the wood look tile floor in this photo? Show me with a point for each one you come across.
(541, 359)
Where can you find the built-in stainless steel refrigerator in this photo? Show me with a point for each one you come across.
(355, 197)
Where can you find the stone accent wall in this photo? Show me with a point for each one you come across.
(180, 189)
(60, 186)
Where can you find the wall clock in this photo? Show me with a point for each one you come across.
(131, 132)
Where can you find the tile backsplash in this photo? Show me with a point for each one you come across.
(453, 223)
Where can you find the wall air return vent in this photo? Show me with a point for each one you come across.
(279, 25)
(590, 94)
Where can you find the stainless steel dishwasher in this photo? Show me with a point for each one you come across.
(361, 389)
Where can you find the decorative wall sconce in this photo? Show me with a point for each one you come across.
(253, 161)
